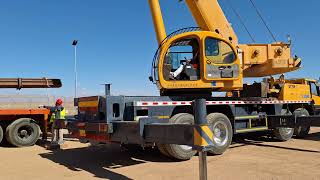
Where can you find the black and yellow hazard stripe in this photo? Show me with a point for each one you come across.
(203, 135)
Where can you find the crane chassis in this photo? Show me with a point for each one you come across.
(165, 121)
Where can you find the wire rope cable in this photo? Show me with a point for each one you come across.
(262, 19)
(241, 21)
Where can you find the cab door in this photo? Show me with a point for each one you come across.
(315, 92)
(221, 62)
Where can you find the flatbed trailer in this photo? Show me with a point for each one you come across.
(164, 121)
(22, 127)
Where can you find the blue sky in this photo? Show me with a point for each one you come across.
(117, 40)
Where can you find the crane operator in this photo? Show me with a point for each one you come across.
(192, 64)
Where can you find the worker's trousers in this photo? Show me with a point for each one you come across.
(57, 132)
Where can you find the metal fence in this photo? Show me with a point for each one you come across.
(34, 101)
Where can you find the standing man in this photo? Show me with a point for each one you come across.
(57, 119)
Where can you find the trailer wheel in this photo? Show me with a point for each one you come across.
(284, 134)
(301, 131)
(1, 134)
(181, 152)
(222, 132)
(23, 132)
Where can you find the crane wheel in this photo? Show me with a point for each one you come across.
(284, 134)
(180, 152)
(1, 134)
(301, 131)
(163, 150)
(23, 132)
(222, 132)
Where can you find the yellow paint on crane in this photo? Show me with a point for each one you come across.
(158, 20)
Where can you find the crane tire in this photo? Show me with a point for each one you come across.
(283, 134)
(163, 150)
(1, 134)
(181, 152)
(223, 133)
(301, 131)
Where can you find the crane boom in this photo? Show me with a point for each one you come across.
(210, 17)
(158, 20)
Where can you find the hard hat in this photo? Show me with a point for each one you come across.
(59, 102)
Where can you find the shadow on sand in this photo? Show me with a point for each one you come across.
(313, 137)
(251, 139)
(100, 160)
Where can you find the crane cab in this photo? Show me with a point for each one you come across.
(196, 62)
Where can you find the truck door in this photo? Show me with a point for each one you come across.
(315, 91)
(221, 60)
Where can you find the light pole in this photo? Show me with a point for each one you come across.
(74, 44)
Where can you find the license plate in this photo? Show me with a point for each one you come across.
(82, 133)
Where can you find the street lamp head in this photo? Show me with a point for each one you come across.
(75, 42)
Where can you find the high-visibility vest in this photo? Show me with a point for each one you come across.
(62, 115)
(53, 117)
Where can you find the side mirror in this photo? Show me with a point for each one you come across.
(151, 78)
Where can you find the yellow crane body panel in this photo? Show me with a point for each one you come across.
(295, 92)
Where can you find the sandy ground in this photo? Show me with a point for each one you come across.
(248, 158)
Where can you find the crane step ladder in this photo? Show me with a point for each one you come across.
(251, 123)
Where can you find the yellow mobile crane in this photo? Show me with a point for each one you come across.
(222, 61)
(192, 63)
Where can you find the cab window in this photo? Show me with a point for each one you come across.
(182, 60)
(314, 89)
(219, 52)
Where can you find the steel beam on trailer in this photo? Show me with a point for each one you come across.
(20, 83)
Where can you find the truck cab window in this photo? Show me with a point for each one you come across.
(182, 60)
(218, 52)
(314, 89)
